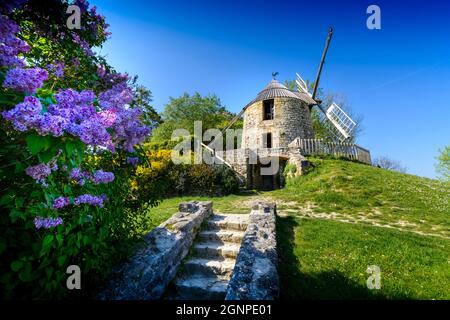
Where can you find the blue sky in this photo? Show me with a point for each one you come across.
(397, 78)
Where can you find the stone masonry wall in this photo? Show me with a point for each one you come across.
(292, 119)
(255, 275)
(146, 275)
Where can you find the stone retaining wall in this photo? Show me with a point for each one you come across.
(146, 275)
(255, 275)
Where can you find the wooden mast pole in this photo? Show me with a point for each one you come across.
(327, 43)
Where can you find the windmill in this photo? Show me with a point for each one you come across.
(342, 125)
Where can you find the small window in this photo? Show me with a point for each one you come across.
(268, 140)
(268, 109)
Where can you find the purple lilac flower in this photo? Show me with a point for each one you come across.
(60, 202)
(79, 176)
(118, 96)
(57, 69)
(10, 46)
(76, 62)
(51, 124)
(101, 176)
(76, 174)
(83, 44)
(25, 80)
(129, 130)
(133, 161)
(89, 199)
(74, 106)
(101, 71)
(25, 115)
(47, 223)
(39, 171)
(92, 132)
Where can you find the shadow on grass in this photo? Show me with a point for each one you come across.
(295, 284)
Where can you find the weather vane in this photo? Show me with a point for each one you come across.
(274, 74)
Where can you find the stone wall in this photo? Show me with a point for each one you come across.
(292, 119)
(255, 275)
(146, 275)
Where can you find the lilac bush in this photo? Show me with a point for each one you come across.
(50, 122)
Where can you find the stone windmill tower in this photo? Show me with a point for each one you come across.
(277, 126)
(276, 117)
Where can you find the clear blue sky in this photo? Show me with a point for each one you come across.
(398, 77)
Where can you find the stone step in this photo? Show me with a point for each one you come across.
(208, 267)
(237, 222)
(201, 288)
(216, 249)
(222, 235)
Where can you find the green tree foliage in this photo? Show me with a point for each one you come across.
(443, 165)
(182, 112)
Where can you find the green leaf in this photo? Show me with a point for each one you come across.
(16, 214)
(87, 240)
(47, 155)
(25, 275)
(16, 265)
(59, 238)
(70, 148)
(47, 243)
(37, 143)
(7, 198)
(62, 260)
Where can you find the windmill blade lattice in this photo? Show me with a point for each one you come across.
(301, 85)
(340, 120)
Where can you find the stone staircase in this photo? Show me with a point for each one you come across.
(206, 271)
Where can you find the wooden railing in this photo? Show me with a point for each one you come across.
(337, 149)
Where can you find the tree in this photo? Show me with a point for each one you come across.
(389, 164)
(142, 99)
(182, 112)
(443, 165)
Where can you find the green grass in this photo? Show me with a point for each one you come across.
(386, 197)
(328, 260)
(344, 216)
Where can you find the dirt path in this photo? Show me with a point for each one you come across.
(292, 208)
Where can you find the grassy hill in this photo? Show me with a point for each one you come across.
(342, 217)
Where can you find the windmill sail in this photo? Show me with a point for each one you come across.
(340, 120)
(301, 85)
(343, 125)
